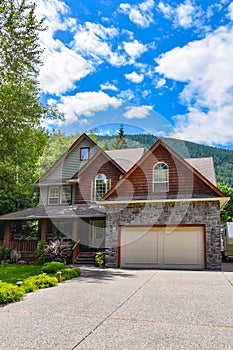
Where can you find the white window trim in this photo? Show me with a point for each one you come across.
(160, 182)
(49, 195)
(93, 188)
(60, 195)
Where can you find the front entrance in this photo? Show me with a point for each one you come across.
(97, 234)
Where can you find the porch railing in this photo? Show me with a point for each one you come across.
(75, 252)
(26, 248)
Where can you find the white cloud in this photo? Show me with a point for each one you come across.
(166, 9)
(134, 49)
(230, 11)
(65, 64)
(126, 95)
(108, 86)
(61, 68)
(53, 11)
(160, 83)
(205, 66)
(184, 15)
(134, 77)
(138, 112)
(94, 41)
(86, 104)
(140, 14)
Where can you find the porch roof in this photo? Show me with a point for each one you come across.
(56, 212)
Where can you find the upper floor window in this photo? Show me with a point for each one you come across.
(100, 186)
(160, 177)
(65, 194)
(53, 197)
(59, 195)
(84, 153)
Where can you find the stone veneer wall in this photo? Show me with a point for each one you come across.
(172, 213)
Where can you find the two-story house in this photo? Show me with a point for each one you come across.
(149, 209)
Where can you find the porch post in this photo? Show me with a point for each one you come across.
(7, 233)
(43, 229)
(75, 237)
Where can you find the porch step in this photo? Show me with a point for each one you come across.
(85, 258)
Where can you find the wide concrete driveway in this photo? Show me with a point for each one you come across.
(124, 309)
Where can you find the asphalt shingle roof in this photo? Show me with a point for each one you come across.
(126, 158)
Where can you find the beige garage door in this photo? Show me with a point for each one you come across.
(168, 247)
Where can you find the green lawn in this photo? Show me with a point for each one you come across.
(12, 273)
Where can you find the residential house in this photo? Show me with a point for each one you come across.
(147, 209)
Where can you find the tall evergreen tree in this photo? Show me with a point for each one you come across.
(120, 141)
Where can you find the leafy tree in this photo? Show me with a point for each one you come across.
(227, 211)
(21, 137)
(56, 145)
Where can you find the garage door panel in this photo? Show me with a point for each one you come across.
(182, 247)
(135, 251)
(177, 247)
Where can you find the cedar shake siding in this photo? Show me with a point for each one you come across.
(139, 184)
(101, 165)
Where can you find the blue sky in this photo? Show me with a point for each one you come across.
(164, 66)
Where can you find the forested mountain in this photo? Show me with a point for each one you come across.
(223, 159)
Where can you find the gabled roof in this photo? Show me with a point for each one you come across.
(126, 158)
(93, 159)
(65, 154)
(175, 156)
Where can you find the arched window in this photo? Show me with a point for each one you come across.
(160, 177)
(100, 186)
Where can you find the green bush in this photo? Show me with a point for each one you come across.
(5, 253)
(10, 293)
(53, 267)
(28, 288)
(40, 281)
(40, 255)
(100, 258)
(69, 273)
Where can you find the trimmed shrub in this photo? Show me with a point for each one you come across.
(28, 288)
(10, 293)
(69, 273)
(5, 253)
(40, 249)
(53, 267)
(41, 281)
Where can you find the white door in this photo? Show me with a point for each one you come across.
(97, 233)
(168, 247)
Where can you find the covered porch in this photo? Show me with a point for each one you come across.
(82, 225)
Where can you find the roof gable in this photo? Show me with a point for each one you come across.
(132, 182)
(69, 162)
(94, 160)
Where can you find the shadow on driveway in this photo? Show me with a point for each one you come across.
(94, 273)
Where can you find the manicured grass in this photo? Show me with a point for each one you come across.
(12, 273)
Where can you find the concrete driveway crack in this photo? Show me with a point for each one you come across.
(114, 311)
